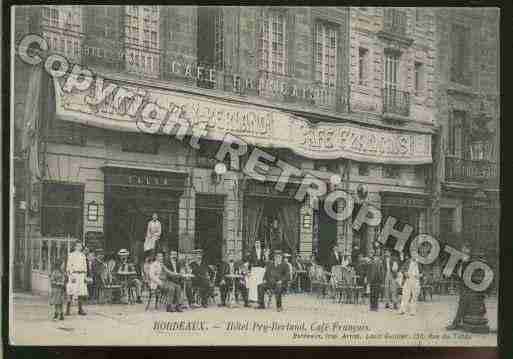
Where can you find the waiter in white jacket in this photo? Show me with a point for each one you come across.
(77, 273)
(411, 286)
(153, 232)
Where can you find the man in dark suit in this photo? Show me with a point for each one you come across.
(390, 273)
(201, 280)
(462, 291)
(226, 284)
(374, 279)
(173, 265)
(276, 277)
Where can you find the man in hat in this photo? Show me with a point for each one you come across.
(374, 279)
(411, 286)
(286, 259)
(127, 273)
(153, 232)
(77, 270)
(226, 284)
(160, 278)
(276, 277)
(390, 268)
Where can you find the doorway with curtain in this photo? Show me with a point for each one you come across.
(209, 227)
(128, 211)
(272, 221)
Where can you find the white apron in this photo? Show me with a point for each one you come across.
(255, 278)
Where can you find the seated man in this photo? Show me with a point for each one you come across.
(201, 281)
(127, 274)
(226, 284)
(174, 265)
(276, 276)
(159, 278)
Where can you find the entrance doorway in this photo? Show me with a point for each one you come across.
(327, 234)
(128, 211)
(272, 221)
(209, 227)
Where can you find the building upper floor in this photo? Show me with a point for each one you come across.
(468, 100)
(372, 65)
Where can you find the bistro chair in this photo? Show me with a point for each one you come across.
(108, 289)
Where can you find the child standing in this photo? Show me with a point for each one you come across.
(57, 290)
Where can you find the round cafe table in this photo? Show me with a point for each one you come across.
(233, 277)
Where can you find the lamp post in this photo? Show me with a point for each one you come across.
(474, 319)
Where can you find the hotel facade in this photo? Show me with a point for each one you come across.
(350, 92)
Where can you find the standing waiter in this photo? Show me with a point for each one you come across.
(153, 232)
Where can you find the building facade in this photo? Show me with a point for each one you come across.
(468, 102)
(349, 92)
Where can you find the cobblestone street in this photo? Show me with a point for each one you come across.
(306, 320)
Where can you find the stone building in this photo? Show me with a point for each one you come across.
(338, 93)
(467, 155)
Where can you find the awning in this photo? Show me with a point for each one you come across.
(133, 108)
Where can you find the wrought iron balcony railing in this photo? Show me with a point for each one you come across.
(396, 102)
(395, 22)
(462, 170)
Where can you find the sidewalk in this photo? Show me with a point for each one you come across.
(311, 321)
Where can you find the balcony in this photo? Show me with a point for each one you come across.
(465, 171)
(395, 27)
(396, 104)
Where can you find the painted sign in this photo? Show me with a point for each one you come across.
(119, 106)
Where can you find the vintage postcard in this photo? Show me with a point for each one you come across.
(192, 175)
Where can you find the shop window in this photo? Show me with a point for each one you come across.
(62, 210)
(363, 169)
(326, 54)
(140, 143)
(391, 171)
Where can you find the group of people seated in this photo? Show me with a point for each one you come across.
(186, 283)
(191, 283)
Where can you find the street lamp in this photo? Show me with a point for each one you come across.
(474, 319)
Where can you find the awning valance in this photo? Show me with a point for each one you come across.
(130, 107)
